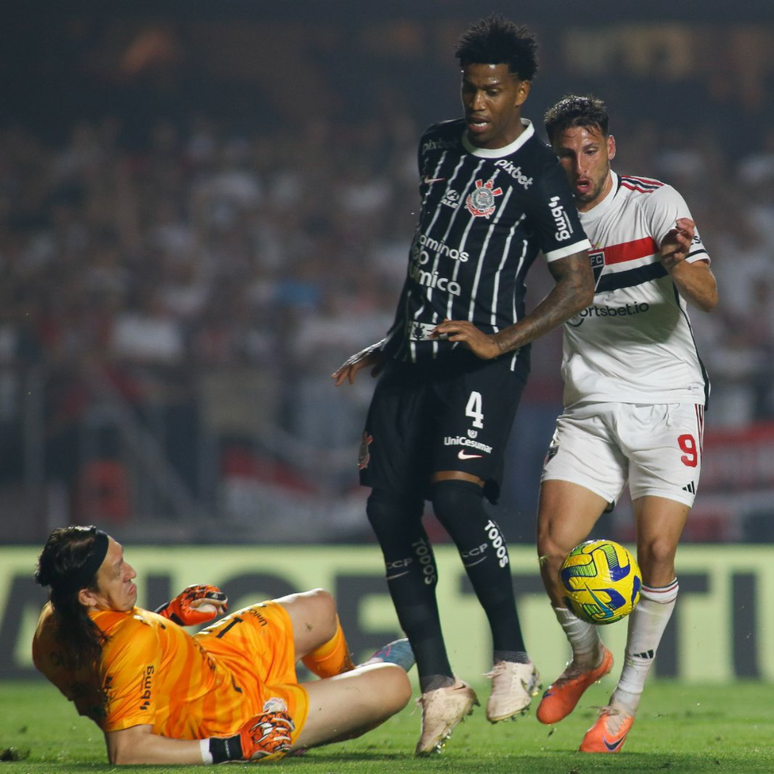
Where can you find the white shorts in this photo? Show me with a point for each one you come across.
(657, 448)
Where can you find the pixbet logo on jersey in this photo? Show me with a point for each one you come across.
(515, 172)
(481, 203)
(432, 145)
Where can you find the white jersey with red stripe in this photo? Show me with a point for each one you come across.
(634, 344)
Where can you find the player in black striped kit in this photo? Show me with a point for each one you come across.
(493, 197)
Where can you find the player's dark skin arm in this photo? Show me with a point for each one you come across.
(573, 292)
(371, 357)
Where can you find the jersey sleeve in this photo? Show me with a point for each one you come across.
(663, 208)
(554, 216)
(130, 665)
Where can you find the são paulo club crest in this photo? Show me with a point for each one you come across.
(481, 203)
(597, 258)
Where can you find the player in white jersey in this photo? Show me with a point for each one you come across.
(635, 392)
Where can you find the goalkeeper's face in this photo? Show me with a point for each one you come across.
(115, 586)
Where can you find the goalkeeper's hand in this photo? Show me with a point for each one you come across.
(195, 605)
(266, 734)
(264, 737)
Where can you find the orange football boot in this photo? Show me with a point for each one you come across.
(560, 698)
(608, 734)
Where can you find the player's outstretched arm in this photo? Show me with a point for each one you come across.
(573, 292)
(372, 357)
(195, 604)
(695, 281)
(138, 745)
(266, 735)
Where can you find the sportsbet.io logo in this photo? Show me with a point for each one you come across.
(608, 311)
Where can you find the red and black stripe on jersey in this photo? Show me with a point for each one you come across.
(483, 220)
(636, 249)
(641, 184)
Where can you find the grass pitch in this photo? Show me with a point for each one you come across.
(680, 728)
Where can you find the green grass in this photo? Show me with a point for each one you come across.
(680, 728)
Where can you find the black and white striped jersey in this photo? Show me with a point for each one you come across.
(485, 215)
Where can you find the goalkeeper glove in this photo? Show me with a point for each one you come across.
(195, 605)
(267, 734)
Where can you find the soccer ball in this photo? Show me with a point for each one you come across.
(601, 581)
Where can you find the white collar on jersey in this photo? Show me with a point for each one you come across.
(600, 209)
(498, 153)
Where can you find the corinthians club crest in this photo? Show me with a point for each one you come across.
(481, 203)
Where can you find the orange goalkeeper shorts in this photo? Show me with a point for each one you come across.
(256, 645)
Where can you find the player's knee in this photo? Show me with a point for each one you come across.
(380, 511)
(459, 507)
(551, 552)
(408, 555)
(325, 601)
(394, 690)
(390, 513)
(401, 690)
(322, 610)
(656, 557)
(455, 502)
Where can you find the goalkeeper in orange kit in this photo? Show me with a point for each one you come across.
(227, 693)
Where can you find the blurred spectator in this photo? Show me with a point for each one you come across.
(159, 250)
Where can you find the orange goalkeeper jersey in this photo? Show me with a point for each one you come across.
(153, 672)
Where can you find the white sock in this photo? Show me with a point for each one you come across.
(583, 638)
(646, 628)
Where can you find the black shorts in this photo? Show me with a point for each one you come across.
(453, 414)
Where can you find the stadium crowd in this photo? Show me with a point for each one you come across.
(202, 251)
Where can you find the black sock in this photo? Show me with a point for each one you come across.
(459, 507)
(434, 682)
(516, 656)
(411, 577)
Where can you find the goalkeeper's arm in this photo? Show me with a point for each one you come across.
(267, 735)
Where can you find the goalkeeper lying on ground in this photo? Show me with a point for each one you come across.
(229, 692)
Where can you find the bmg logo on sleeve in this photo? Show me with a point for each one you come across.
(563, 227)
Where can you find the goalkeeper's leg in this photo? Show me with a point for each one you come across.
(348, 705)
(332, 657)
(317, 634)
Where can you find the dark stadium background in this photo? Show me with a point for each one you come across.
(205, 207)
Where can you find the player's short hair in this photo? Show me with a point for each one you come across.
(588, 111)
(495, 40)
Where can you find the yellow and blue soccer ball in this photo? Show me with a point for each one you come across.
(601, 581)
